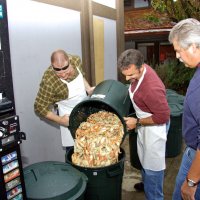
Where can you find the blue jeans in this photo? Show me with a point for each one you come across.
(153, 184)
(187, 159)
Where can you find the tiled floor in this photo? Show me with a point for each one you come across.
(132, 176)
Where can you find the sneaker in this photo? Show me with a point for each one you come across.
(139, 187)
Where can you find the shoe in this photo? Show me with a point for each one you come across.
(139, 187)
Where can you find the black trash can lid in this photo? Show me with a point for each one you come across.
(54, 180)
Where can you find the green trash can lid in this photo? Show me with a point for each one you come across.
(170, 91)
(175, 109)
(175, 98)
(54, 180)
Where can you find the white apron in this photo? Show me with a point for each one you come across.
(77, 93)
(151, 140)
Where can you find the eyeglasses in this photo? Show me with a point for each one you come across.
(60, 69)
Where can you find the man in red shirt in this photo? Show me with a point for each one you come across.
(148, 96)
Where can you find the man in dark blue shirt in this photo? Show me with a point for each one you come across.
(185, 37)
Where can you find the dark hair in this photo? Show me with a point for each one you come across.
(130, 56)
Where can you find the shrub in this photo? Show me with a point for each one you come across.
(175, 75)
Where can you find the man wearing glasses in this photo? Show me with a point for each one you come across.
(63, 85)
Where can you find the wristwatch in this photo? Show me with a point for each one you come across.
(191, 183)
(138, 124)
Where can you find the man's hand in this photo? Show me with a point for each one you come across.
(90, 90)
(130, 122)
(187, 192)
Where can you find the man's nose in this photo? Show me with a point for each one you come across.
(61, 74)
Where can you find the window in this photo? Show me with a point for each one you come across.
(137, 3)
(156, 52)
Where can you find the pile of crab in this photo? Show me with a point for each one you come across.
(97, 142)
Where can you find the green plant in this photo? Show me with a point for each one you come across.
(152, 18)
(179, 9)
(175, 75)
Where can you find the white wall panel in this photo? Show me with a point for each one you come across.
(35, 30)
(109, 3)
(110, 48)
(110, 55)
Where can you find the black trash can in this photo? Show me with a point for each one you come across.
(104, 183)
(174, 137)
(52, 180)
(134, 159)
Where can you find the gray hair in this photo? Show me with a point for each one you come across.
(128, 57)
(185, 33)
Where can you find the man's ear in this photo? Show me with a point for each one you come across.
(142, 67)
(193, 48)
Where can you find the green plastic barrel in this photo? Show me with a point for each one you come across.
(113, 93)
(170, 91)
(52, 180)
(104, 183)
(174, 97)
(174, 137)
(109, 95)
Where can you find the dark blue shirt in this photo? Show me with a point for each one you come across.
(191, 112)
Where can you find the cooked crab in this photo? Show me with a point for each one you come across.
(97, 142)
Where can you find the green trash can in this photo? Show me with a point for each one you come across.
(174, 137)
(53, 180)
(170, 91)
(109, 95)
(104, 183)
(174, 97)
(112, 96)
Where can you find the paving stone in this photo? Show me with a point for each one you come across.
(132, 176)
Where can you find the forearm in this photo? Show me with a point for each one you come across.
(61, 120)
(146, 121)
(88, 88)
(86, 84)
(194, 172)
(53, 117)
(131, 122)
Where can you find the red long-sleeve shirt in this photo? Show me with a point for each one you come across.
(151, 96)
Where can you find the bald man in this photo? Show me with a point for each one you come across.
(64, 86)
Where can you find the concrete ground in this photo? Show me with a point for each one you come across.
(132, 176)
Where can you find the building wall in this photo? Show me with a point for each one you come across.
(35, 30)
